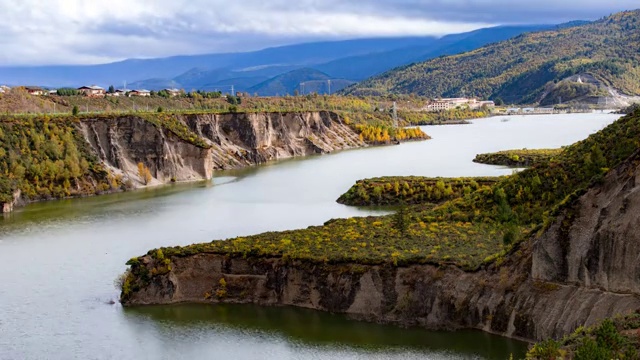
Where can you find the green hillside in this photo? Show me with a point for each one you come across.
(530, 68)
(288, 83)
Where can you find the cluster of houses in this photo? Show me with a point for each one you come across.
(530, 110)
(93, 91)
(453, 103)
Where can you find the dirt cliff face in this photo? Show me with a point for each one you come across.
(123, 142)
(236, 140)
(582, 269)
(595, 243)
(246, 139)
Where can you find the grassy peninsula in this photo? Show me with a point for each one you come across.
(518, 158)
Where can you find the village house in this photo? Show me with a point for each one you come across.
(53, 92)
(439, 105)
(173, 92)
(140, 92)
(36, 90)
(545, 110)
(455, 102)
(117, 93)
(92, 91)
(489, 104)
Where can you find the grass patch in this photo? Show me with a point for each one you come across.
(411, 190)
(617, 338)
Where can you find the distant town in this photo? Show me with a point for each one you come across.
(433, 105)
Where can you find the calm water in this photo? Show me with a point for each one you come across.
(58, 260)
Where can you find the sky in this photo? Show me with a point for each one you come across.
(37, 32)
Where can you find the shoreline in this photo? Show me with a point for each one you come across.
(22, 203)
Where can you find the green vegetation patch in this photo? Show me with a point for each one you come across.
(518, 158)
(443, 117)
(368, 241)
(617, 338)
(174, 124)
(411, 190)
(47, 158)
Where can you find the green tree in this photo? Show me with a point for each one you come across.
(111, 89)
(232, 100)
(401, 220)
(75, 110)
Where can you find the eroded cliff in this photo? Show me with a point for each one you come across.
(245, 139)
(581, 269)
(232, 141)
(94, 154)
(122, 143)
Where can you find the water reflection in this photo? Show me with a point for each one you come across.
(308, 329)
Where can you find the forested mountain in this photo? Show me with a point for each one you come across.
(364, 66)
(591, 59)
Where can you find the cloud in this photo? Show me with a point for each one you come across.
(81, 31)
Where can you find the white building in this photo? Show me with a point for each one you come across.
(173, 92)
(438, 105)
(140, 92)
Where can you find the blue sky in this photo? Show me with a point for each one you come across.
(96, 31)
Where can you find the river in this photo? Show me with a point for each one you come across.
(58, 260)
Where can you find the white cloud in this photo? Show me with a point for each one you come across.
(90, 31)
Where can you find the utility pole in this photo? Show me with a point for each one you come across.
(395, 115)
(329, 82)
(233, 92)
(302, 87)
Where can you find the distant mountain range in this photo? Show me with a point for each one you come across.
(575, 62)
(279, 70)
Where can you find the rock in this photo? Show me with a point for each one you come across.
(8, 207)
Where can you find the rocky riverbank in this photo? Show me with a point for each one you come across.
(49, 158)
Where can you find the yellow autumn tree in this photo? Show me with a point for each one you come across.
(144, 173)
